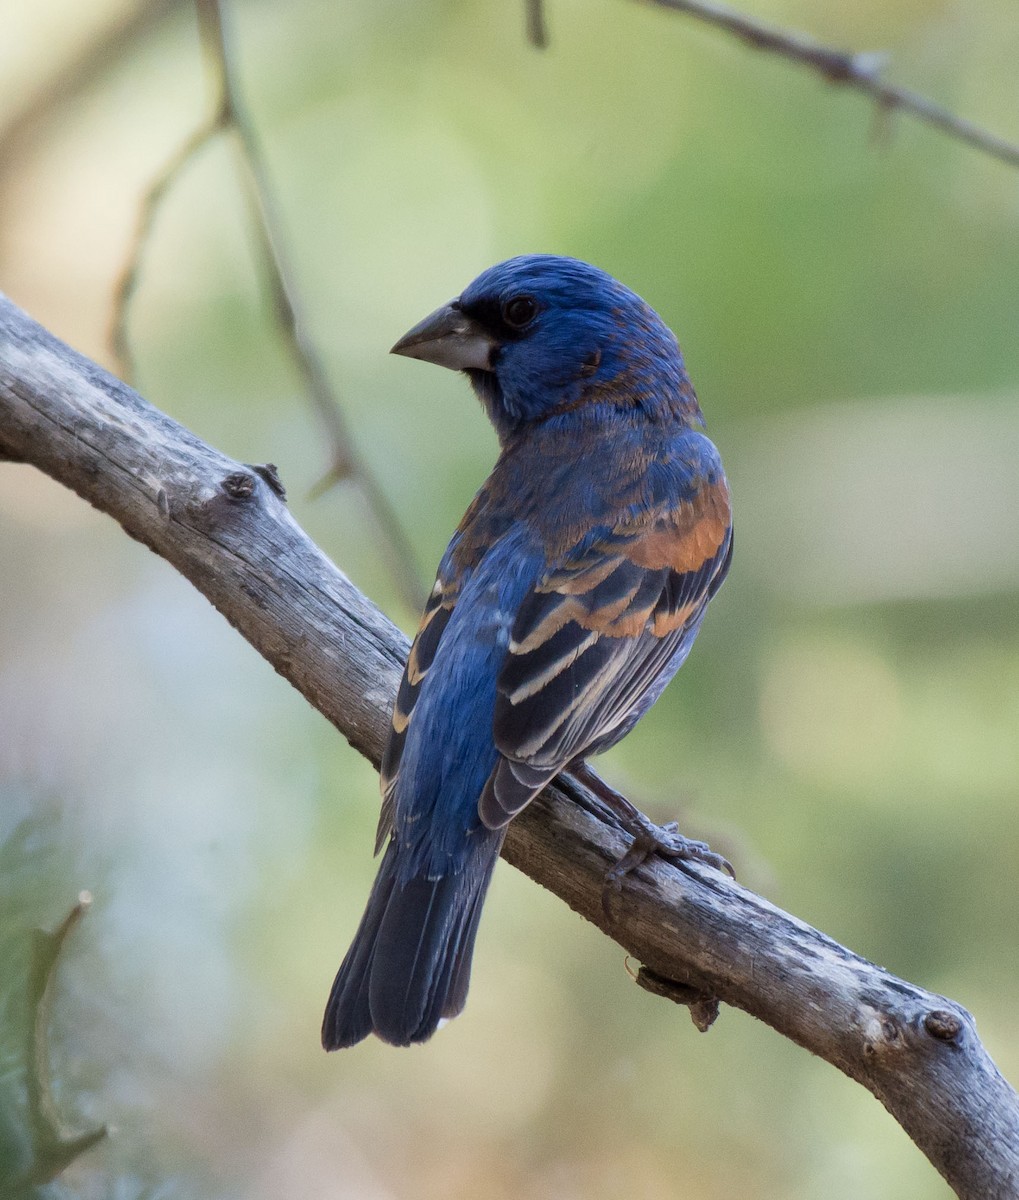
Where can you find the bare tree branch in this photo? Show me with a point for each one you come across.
(698, 934)
(229, 114)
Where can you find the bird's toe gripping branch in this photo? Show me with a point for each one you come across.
(648, 838)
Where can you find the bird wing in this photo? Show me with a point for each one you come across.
(601, 633)
(438, 610)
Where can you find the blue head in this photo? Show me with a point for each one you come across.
(541, 336)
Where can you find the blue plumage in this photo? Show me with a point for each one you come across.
(568, 597)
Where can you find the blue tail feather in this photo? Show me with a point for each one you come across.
(409, 965)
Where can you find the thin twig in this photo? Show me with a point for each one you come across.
(267, 224)
(537, 30)
(230, 114)
(344, 460)
(861, 72)
(127, 282)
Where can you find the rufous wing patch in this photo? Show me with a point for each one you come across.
(685, 539)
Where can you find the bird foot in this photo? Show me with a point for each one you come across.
(649, 839)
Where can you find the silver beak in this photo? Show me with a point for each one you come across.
(449, 338)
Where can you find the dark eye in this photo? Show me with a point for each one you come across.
(519, 311)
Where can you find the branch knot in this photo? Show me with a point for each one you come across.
(239, 485)
(942, 1024)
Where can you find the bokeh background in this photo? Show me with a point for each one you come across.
(846, 293)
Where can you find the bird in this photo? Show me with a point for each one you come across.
(569, 595)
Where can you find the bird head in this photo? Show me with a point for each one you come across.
(541, 336)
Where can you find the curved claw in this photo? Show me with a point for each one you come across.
(649, 839)
(680, 847)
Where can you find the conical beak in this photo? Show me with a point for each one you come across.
(449, 338)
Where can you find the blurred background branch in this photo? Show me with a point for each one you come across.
(537, 30)
(226, 529)
(229, 114)
(858, 71)
(130, 276)
(68, 80)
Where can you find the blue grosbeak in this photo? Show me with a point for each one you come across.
(568, 597)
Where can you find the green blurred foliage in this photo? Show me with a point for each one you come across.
(845, 729)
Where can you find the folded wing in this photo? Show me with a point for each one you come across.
(434, 619)
(599, 637)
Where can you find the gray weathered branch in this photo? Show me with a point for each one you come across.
(225, 527)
